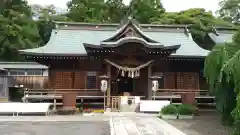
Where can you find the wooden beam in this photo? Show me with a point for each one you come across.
(109, 85)
(149, 82)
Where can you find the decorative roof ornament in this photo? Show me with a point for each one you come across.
(188, 32)
(215, 31)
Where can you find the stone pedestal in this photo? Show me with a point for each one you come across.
(108, 110)
(188, 98)
(129, 104)
(69, 100)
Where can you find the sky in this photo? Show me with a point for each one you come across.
(170, 5)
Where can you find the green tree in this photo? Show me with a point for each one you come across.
(45, 17)
(116, 10)
(230, 10)
(222, 73)
(17, 29)
(87, 10)
(145, 11)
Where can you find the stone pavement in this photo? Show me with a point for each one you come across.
(141, 126)
(55, 128)
(86, 125)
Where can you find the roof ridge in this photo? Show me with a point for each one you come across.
(118, 24)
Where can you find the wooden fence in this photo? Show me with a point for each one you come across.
(31, 82)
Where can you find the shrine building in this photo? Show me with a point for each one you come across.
(129, 54)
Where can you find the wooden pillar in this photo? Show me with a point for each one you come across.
(149, 82)
(50, 72)
(109, 86)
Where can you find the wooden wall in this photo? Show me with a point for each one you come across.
(179, 74)
(69, 79)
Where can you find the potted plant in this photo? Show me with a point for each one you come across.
(169, 112)
(186, 111)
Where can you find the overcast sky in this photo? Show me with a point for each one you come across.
(170, 5)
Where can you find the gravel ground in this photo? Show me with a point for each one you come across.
(207, 124)
(54, 128)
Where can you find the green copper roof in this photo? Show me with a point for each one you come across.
(222, 35)
(69, 41)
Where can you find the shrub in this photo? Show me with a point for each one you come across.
(185, 109)
(169, 110)
(98, 111)
(66, 111)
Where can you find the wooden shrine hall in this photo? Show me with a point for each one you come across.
(129, 54)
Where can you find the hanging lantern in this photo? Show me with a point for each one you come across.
(155, 83)
(104, 83)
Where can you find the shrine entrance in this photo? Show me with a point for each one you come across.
(125, 85)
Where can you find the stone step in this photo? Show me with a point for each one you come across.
(3, 99)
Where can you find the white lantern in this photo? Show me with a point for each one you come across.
(104, 85)
(155, 85)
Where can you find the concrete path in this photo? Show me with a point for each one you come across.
(141, 126)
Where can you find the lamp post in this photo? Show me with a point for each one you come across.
(155, 85)
(104, 87)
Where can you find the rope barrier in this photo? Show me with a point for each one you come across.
(132, 72)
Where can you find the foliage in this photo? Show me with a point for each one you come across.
(169, 110)
(16, 94)
(229, 10)
(45, 17)
(17, 29)
(146, 10)
(87, 10)
(66, 111)
(222, 73)
(186, 109)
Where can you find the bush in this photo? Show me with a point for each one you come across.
(170, 110)
(185, 109)
(16, 94)
(66, 111)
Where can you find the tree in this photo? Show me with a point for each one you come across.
(116, 10)
(230, 10)
(45, 17)
(222, 73)
(87, 10)
(17, 29)
(145, 11)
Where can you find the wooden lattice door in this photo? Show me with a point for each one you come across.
(79, 80)
(169, 81)
(62, 80)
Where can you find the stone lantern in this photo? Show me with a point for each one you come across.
(104, 86)
(155, 84)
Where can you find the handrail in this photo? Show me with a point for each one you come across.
(63, 89)
(182, 90)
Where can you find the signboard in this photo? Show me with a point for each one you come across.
(153, 105)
